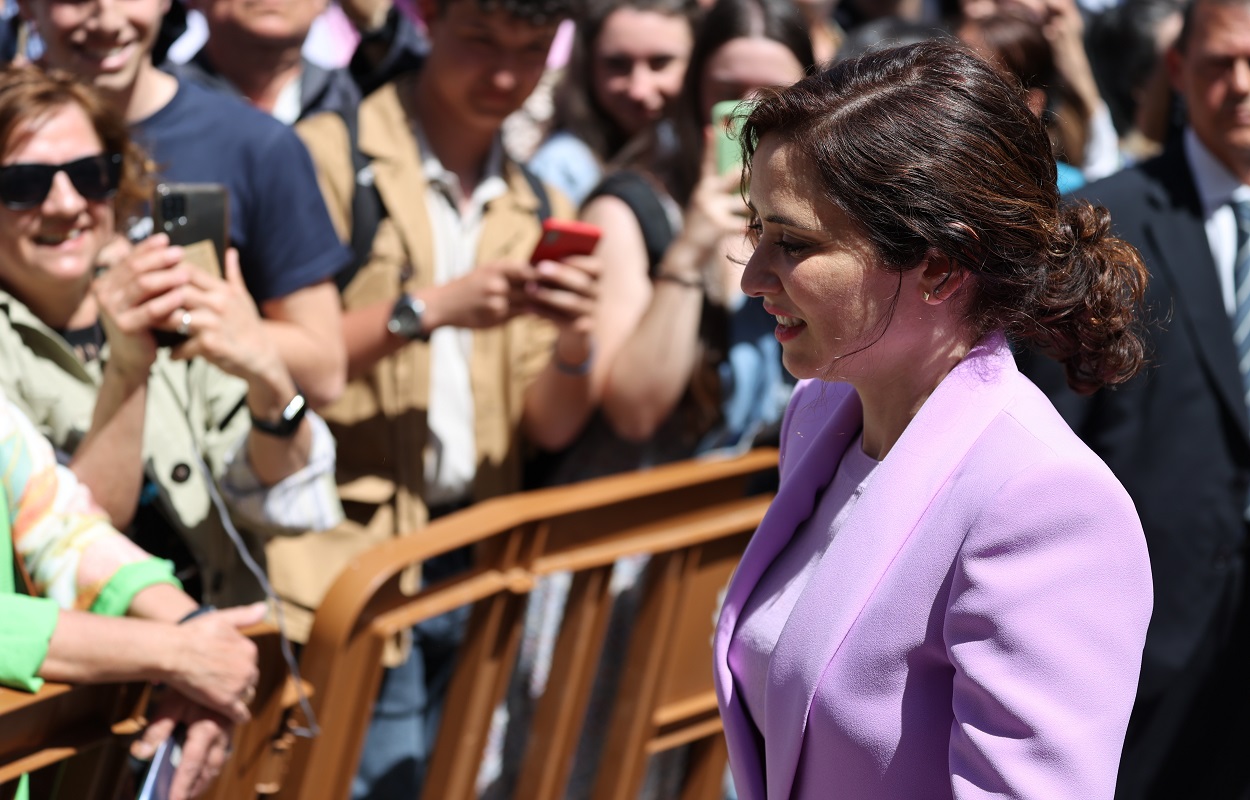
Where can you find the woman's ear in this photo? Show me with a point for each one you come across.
(940, 278)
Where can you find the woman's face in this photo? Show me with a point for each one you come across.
(57, 241)
(743, 66)
(815, 271)
(638, 65)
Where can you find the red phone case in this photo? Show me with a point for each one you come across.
(562, 238)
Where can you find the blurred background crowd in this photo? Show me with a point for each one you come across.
(375, 349)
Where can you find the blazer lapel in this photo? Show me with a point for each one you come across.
(806, 474)
(887, 514)
(1178, 233)
(388, 140)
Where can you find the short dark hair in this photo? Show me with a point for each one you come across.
(534, 12)
(1187, 18)
(930, 151)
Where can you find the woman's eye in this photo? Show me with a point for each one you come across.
(790, 247)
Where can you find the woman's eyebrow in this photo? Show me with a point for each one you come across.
(781, 219)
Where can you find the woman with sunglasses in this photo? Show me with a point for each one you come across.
(159, 434)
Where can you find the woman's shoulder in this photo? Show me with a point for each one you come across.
(1029, 455)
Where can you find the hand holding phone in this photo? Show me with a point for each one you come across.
(563, 292)
(727, 119)
(196, 217)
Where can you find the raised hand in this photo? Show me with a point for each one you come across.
(138, 288)
(223, 324)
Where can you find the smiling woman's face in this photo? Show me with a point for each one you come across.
(52, 247)
(816, 272)
(638, 65)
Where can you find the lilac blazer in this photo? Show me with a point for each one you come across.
(974, 630)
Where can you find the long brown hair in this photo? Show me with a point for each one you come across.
(29, 94)
(778, 20)
(930, 151)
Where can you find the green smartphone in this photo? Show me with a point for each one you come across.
(727, 119)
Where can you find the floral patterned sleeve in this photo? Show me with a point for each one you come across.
(55, 522)
(75, 558)
(73, 554)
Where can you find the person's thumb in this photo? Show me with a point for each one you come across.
(160, 729)
(244, 616)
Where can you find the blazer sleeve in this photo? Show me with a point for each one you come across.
(1049, 603)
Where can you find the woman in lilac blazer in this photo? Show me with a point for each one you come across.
(949, 595)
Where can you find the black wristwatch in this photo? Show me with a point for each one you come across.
(285, 426)
(408, 318)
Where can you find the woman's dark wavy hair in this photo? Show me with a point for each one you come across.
(778, 20)
(29, 94)
(929, 151)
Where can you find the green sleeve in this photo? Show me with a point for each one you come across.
(26, 625)
(116, 596)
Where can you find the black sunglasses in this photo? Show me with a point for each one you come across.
(24, 186)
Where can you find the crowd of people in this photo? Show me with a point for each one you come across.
(918, 214)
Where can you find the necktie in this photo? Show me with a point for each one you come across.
(1241, 314)
(1241, 286)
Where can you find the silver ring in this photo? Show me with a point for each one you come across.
(184, 324)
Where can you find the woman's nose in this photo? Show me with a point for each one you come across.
(63, 198)
(757, 279)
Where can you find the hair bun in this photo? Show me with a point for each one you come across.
(1091, 300)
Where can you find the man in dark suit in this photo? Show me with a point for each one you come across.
(1177, 436)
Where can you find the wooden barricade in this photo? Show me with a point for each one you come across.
(61, 722)
(88, 729)
(693, 519)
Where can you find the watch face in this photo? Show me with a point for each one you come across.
(405, 320)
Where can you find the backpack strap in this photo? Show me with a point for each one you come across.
(368, 211)
(540, 191)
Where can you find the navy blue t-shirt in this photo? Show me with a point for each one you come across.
(278, 220)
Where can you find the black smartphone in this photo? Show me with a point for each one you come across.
(196, 217)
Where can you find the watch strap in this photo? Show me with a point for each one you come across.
(288, 423)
